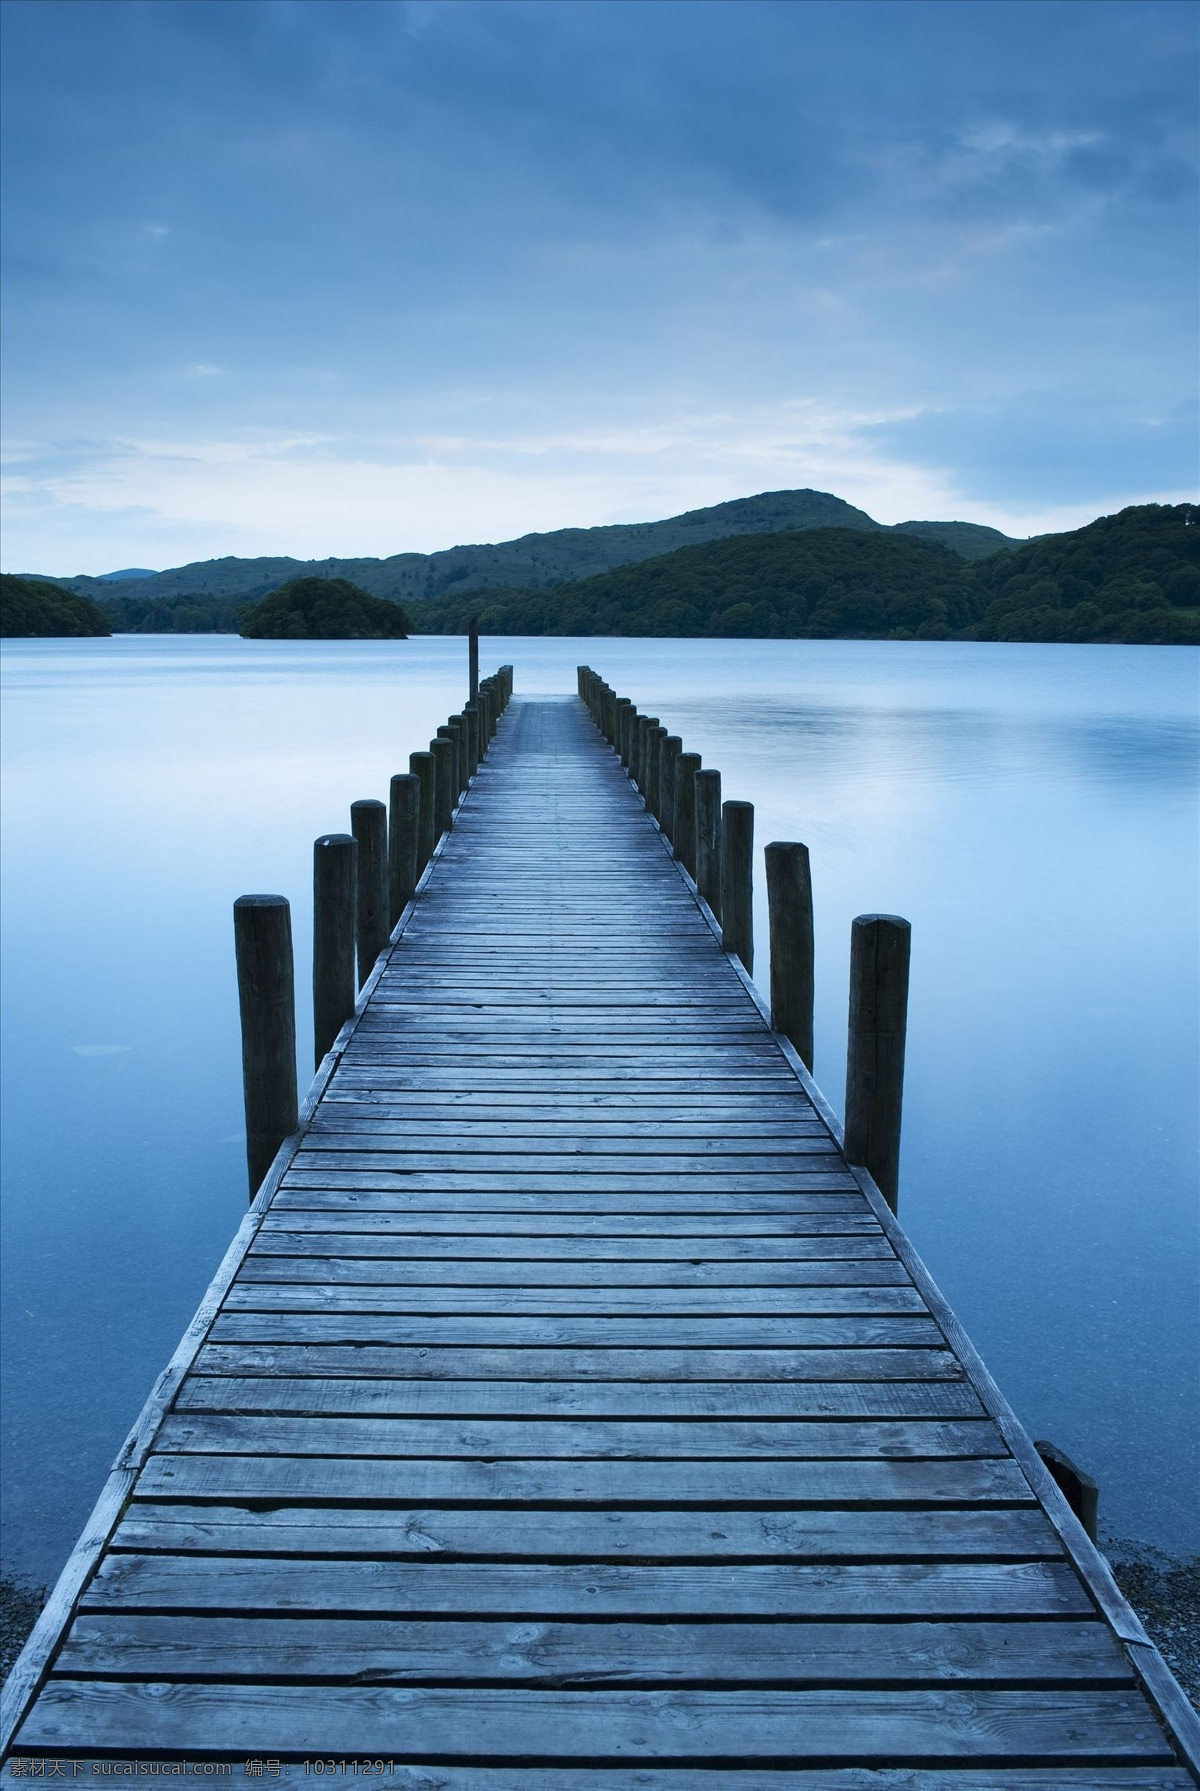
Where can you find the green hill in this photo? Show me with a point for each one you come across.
(532, 561)
(324, 609)
(34, 607)
(812, 584)
(1134, 577)
(1131, 577)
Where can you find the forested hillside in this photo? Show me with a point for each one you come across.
(821, 583)
(33, 608)
(1133, 577)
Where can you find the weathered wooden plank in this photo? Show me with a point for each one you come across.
(575, 1365)
(235, 1477)
(846, 1223)
(319, 1395)
(580, 1439)
(348, 1193)
(653, 1253)
(348, 1170)
(558, 1653)
(266, 1268)
(611, 1303)
(715, 1332)
(517, 1725)
(338, 1133)
(726, 1533)
(264, 1584)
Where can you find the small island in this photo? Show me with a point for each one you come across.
(36, 609)
(324, 609)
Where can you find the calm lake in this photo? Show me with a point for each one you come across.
(1032, 810)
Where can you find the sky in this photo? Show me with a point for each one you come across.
(370, 276)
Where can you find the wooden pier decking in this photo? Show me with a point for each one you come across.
(568, 1416)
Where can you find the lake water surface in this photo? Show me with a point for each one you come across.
(1032, 810)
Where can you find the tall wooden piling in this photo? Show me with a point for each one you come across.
(708, 838)
(442, 749)
(423, 767)
(737, 881)
(404, 825)
(458, 733)
(657, 734)
(368, 824)
(262, 931)
(335, 928)
(879, 955)
(668, 757)
(472, 718)
(620, 718)
(790, 910)
(683, 829)
(473, 657)
(449, 734)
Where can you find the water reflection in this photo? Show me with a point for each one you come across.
(1031, 810)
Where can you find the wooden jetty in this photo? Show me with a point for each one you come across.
(570, 1413)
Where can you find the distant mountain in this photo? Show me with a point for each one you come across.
(532, 561)
(1133, 578)
(129, 572)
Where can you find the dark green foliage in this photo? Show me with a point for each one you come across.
(1134, 577)
(1131, 577)
(324, 609)
(813, 584)
(33, 607)
(193, 613)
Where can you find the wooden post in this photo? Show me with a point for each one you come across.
(262, 935)
(668, 757)
(471, 718)
(879, 952)
(708, 838)
(631, 721)
(654, 742)
(423, 767)
(335, 923)
(473, 657)
(789, 904)
(368, 824)
(443, 782)
(487, 711)
(619, 717)
(449, 734)
(1077, 1488)
(458, 733)
(683, 831)
(404, 823)
(737, 881)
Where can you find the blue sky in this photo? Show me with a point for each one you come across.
(356, 278)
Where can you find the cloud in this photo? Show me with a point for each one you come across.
(539, 263)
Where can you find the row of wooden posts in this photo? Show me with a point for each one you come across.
(714, 842)
(362, 882)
